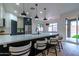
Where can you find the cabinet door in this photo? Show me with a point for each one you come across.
(27, 21)
(28, 29)
(1, 22)
(13, 27)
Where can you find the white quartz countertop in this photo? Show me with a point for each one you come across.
(7, 39)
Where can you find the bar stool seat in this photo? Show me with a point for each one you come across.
(20, 49)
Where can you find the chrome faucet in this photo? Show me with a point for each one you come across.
(37, 30)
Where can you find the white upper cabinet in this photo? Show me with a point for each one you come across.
(1, 15)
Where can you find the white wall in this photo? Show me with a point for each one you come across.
(2, 13)
(71, 14)
(62, 27)
(8, 17)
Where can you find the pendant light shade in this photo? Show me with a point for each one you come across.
(36, 17)
(23, 13)
(45, 14)
(45, 18)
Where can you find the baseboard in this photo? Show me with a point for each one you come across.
(71, 42)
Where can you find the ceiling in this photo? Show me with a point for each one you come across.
(53, 9)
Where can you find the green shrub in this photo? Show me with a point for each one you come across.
(75, 36)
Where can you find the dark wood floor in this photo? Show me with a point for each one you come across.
(69, 49)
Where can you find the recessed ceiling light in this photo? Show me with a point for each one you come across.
(17, 3)
(27, 12)
(41, 12)
(15, 11)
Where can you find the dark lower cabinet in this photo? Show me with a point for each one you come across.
(13, 27)
(3, 22)
(4, 51)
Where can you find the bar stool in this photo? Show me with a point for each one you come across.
(40, 45)
(52, 42)
(60, 42)
(20, 48)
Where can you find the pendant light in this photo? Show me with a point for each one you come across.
(23, 13)
(45, 14)
(36, 17)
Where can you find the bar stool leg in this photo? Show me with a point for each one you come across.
(59, 46)
(55, 51)
(43, 53)
(47, 51)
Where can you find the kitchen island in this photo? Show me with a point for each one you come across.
(6, 40)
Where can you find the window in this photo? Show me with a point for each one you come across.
(52, 27)
(55, 27)
(40, 27)
(73, 28)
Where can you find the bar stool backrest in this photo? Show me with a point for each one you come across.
(60, 38)
(53, 40)
(41, 44)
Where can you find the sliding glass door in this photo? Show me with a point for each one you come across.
(78, 26)
(72, 29)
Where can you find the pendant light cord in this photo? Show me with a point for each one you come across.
(23, 6)
(36, 8)
(44, 12)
